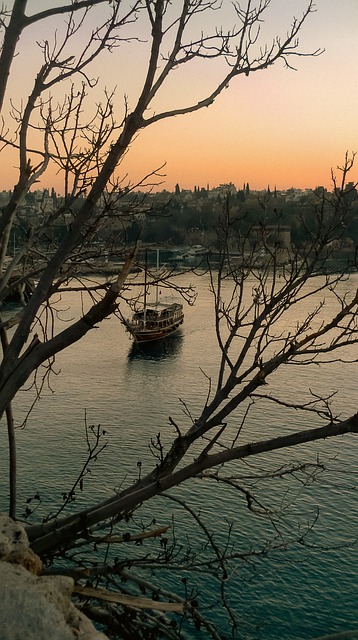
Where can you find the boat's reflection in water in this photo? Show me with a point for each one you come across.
(158, 349)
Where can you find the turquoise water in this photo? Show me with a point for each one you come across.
(293, 592)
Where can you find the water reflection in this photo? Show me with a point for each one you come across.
(158, 350)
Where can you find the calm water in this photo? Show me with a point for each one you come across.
(296, 594)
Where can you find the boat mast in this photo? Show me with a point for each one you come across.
(145, 287)
(157, 287)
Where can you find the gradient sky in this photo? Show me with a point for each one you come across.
(277, 127)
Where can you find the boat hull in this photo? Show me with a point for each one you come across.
(151, 335)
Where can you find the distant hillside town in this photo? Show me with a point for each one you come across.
(185, 218)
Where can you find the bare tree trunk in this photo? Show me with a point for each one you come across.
(12, 444)
(12, 35)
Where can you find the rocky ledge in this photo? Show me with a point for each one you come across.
(35, 607)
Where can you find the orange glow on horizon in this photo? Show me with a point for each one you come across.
(278, 127)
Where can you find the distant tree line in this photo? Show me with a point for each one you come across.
(184, 217)
(181, 218)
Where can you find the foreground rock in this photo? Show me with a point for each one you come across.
(35, 607)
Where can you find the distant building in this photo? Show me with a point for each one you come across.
(225, 189)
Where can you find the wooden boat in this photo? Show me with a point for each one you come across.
(156, 321)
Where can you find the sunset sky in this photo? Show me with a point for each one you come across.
(278, 127)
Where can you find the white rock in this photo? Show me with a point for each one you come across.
(39, 608)
(35, 607)
(25, 613)
(13, 537)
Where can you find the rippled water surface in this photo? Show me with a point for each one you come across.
(295, 594)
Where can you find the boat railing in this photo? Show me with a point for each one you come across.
(151, 319)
